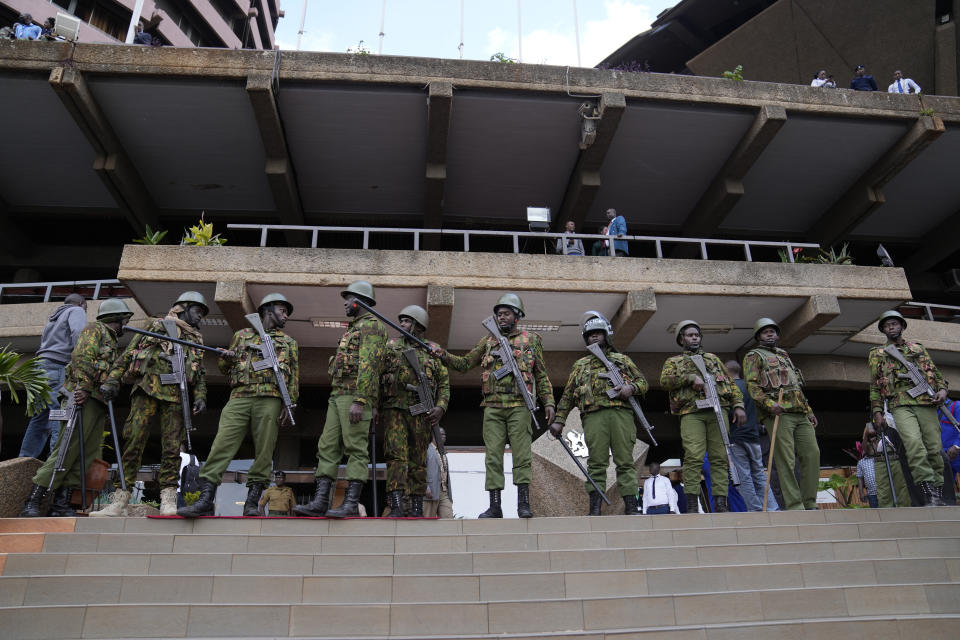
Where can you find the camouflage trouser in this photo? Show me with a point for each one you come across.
(136, 430)
(611, 431)
(93, 419)
(405, 442)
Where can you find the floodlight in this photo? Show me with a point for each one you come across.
(538, 218)
(67, 26)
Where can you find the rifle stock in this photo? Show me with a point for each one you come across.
(712, 401)
(616, 379)
(268, 353)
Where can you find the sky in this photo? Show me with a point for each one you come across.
(431, 28)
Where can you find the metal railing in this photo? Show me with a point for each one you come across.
(46, 291)
(657, 241)
(948, 313)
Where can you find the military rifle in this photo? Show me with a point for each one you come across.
(175, 340)
(404, 332)
(920, 380)
(269, 354)
(424, 395)
(886, 443)
(71, 415)
(616, 380)
(178, 375)
(116, 446)
(712, 401)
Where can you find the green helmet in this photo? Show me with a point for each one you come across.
(763, 323)
(595, 321)
(417, 313)
(113, 307)
(891, 314)
(193, 297)
(275, 297)
(361, 288)
(683, 324)
(511, 300)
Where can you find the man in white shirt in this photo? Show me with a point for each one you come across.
(658, 493)
(902, 85)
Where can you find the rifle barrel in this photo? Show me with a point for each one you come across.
(403, 331)
(185, 343)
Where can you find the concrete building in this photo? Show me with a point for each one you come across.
(231, 24)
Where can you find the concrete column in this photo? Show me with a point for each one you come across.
(232, 298)
(816, 312)
(439, 112)
(633, 314)
(440, 313)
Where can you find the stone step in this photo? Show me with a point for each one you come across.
(205, 561)
(277, 588)
(437, 620)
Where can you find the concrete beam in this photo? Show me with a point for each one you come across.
(866, 195)
(439, 313)
(727, 187)
(816, 312)
(112, 163)
(232, 298)
(279, 167)
(584, 183)
(439, 110)
(633, 314)
(937, 245)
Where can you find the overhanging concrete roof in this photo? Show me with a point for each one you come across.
(158, 135)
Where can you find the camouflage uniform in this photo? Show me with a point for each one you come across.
(607, 422)
(97, 348)
(767, 372)
(406, 467)
(141, 364)
(280, 501)
(916, 418)
(354, 377)
(699, 430)
(505, 413)
(254, 404)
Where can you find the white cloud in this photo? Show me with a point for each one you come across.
(322, 41)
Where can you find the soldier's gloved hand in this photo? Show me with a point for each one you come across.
(878, 420)
(940, 397)
(739, 416)
(556, 429)
(283, 420)
(813, 420)
(80, 396)
(624, 391)
(228, 354)
(698, 383)
(551, 412)
(776, 409)
(434, 415)
(199, 406)
(356, 412)
(109, 391)
(375, 419)
(438, 352)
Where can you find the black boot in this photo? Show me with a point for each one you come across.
(416, 507)
(495, 511)
(931, 494)
(317, 508)
(721, 504)
(630, 505)
(204, 506)
(523, 501)
(60, 508)
(349, 508)
(595, 502)
(395, 502)
(252, 506)
(33, 507)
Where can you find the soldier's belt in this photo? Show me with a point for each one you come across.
(891, 456)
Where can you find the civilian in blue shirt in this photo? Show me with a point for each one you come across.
(861, 81)
(951, 449)
(617, 228)
(24, 29)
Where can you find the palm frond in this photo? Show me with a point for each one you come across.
(27, 375)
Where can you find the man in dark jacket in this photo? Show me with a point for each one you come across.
(745, 448)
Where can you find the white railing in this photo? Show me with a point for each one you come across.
(952, 313)
(32, 289)
(657, 241)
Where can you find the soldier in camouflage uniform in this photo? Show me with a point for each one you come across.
(97, 348)
(255, 404)
(768, 370)
(607, 422)
(916, 418)
(141, 364)
(505, 414)
(407, 436)
(355, 381)
(699, 430)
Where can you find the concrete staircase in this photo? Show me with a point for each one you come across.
(867, 573)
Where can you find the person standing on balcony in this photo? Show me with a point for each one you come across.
(570, 246)
(406, 437)
(768, 370)
(255, 404)
(699, 430)
(617, 228)
(142, 363)
(607, 422)
(902, 85)
(505, 414)
(57, 341)
(915, 417)
(97, 347)
(861, 81)
(355, 387)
